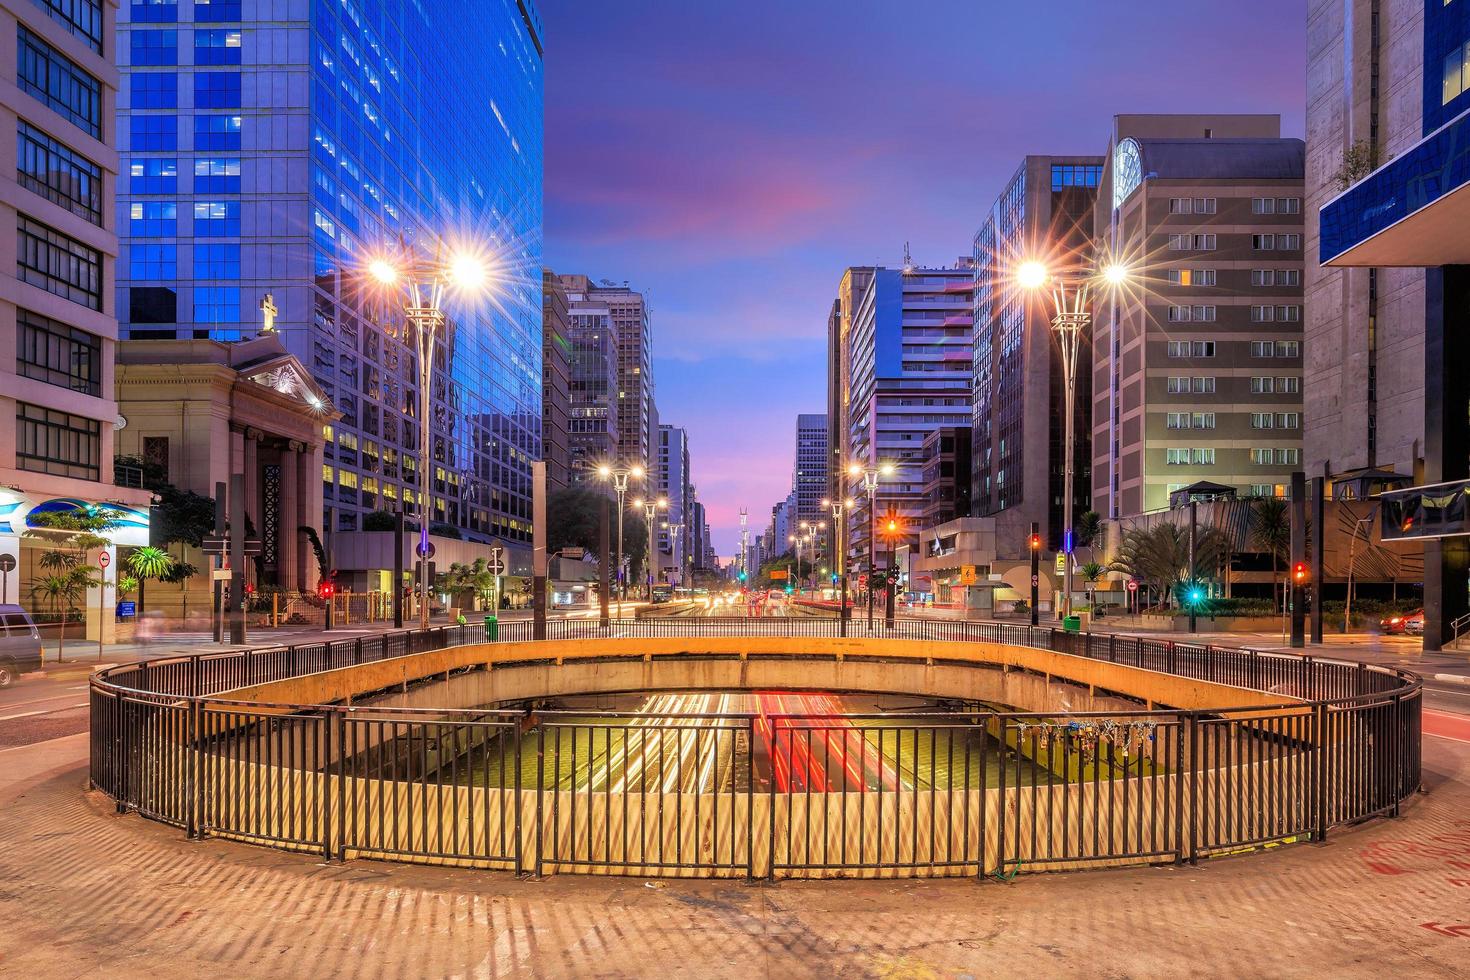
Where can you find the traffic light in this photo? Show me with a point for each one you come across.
(1035, 542)
(742, 575)
(1299, 573)
(1196, 595)
(892, 526)
(325, 588)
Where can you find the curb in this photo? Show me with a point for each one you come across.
(1453, 679)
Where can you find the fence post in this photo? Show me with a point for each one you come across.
(193, 674)
(1192, 754)
(192, 789)
(1319, 793)
(1394, 762)
(324, 791)
(357, 651)
(342, 784)
(1173, 663)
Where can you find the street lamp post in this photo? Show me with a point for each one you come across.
(650, 510)
(423, 283)
(676, 529)
(1071, 316)
(870, 484)
(619, 475)
(839, 509)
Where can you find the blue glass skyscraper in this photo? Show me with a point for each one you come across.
(272, 149)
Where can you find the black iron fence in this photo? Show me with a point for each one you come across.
(730, 793)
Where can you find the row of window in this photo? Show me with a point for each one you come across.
(57, 443)
(212, 46)
(167, 11)
(159, 133)
(1259, 205)
(58, 263)
(1259, 348)
(159, 262)
(157, 175)
(59, 82)
(1276, 348)
(58, 173)
(159, 219)
(1260, 243)
(1276, 420)
(1205, 456)
(1205, 385)
(1190, 420)
(58, 354)
(1276, 314)
(1259, 277)
(83, 18)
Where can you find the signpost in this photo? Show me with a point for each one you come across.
(496, 567)
(7, 565)
(967, 575)
(104, 559)
(1133, 595)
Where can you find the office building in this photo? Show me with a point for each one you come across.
(58, 328)
(947, 472)
(1019, 426)
(592, 416)
(850, 288)
(907, 360)
(809, 468)
(1388, 90)
(1197, 361)
(636, 414)
(270, 152)
(673, 486)
(556, 381)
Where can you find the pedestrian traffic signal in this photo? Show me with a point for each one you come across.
(325, 589)
(1035, 542)
(1299, 573)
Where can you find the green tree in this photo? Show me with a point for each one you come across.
(67, 537)
(1092, 573)
(574, 520)
(1086, 529)
(1270, 532)
(145, 563)
(1158, 556)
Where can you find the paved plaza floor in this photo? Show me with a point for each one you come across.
(84, 892)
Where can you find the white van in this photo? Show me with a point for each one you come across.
(20, 644)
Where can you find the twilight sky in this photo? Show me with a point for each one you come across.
(730, 159)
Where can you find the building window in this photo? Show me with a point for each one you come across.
(1192, 205)
(1288, 386)
(155, 11)
(58, 263)
(1263, 420)
(1192, 277)
(216, 132)
(1276, 205)
(83, 18)
(1456, 74)
(152, 305)
(1177, 420)
(216, 219)
(1185, 314)
(1263, 386)
(153, 219)
(1203, 420)
(217, 90)
(1191, 348)
(217, 175)
(155, 452)
(1065, 175)
(156, 133)
(217, 47)
(153, 262)
(1288, 457)
(1288, 420)
(216, 11)
(1288, 348)
(57, 354)
(154, 47)
(57, 173)
(57, 443)
(59, 83)
(1268, 490)
(154, 89)
(216, 261)
(217, 305)
(153, 176)
(1263, 457)
(1192, 243)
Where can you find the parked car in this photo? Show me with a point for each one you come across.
(1407, 623)
(20, 644)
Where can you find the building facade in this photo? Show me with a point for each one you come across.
(908, 359)
(270, 152)
(1387, 165)
(948, 469)
(809, 468)
(556, 382)
(674, 486)
(850, 288)
(592, 416)
(636, 413)
(1197, 360)
(1018, 428)
(58, 325)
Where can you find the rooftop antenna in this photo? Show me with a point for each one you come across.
(908, 260)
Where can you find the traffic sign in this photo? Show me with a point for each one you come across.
(1035, 581)
(7, 563)
(967, 574)
(1061, 562)
(127, 608)
(1132, 585)
(104, 559)
(424, 549)
(219, 544)
(496, 565)
(778, 573)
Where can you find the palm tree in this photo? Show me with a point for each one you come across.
(63, 591)
(70, 534)
(1270, 531)
(146, 563)
(1091, 573)
(1158, 556)
(1088, 527)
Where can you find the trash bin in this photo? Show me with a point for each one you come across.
(1072, 624)
(492, 629)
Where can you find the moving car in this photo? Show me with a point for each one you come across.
(20, 644)
(1407, 623)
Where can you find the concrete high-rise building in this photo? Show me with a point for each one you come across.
(630, 318)
(58, 329)
(1019, 422)
(556, 381)
(850, 288)
(1197, 363)
(1388, 94)
(270, 151)
(906, 362)
(592, 424)
(673, 485)
(1368, 95)
(809, 468)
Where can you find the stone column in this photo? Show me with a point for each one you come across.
(309, 511)
(253, 437)
(288, 547)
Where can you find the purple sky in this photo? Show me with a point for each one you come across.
(731, 159)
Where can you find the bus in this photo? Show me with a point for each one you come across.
(663, 593)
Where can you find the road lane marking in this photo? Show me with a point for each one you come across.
(44, 711)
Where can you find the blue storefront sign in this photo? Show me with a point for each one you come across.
(127, 608)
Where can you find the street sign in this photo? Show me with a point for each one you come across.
(127, 608)
(967, 575)
(215, 544)
(1132, 585)
(424, 549)
(496, 565)
(221, 575)
(779, 573)
(7, 563)
(1035, 581)
(1061, 563)
(104, 559)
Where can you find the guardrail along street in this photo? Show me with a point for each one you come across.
(770, 790)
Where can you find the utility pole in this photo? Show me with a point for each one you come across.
(538, 550)
(398, 569)
(605, 619)
(1193, 594)
(221, 559)
(237, 558)
(1298, 591)
(1318, 520)
(1035, 544)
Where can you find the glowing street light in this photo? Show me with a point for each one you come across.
(839, 550)
(1070, 317)
(422, 284)
(650, 510)
(870, 484)
(619, 475)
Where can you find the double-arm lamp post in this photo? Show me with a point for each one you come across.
(870, 484)
(619, 474)
(839, 547)
(1071, 315)
(676, 546)
(422, 282)
(650, 510)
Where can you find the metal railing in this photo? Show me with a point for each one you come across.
(774, 793)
